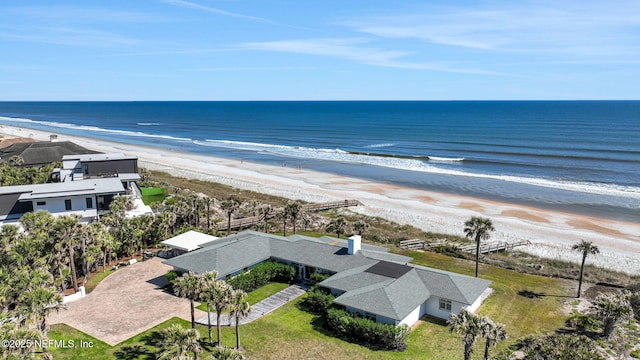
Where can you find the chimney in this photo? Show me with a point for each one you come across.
(355, 242)
(53, 138)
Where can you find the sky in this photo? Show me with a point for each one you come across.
(319, 50)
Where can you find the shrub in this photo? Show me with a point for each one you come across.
(558, 347)
(171, 276)
(319, 300)
(317, 278)
(262, 274)
(364, 330)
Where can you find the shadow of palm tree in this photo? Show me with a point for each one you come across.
(531, 294)
(537, 295)
(134, 352)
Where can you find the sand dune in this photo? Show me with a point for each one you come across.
(553, 233)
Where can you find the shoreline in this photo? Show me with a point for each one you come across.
(552, 233)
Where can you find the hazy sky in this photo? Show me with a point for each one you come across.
(324, 50)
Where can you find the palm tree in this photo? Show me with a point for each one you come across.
(610, 309)
(492, 333)
(293, 210)
(231, 205)
(68, 230)
(586, 248)
(208, 282)
(239, 308)
(265, 211)
(226, 354)
(360, 226)
(177, 342)
(188, 286)
(338, 225)
(469, 326)
(16, 160)
(221, 298)
(479, 229)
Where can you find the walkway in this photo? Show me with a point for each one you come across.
(125, 303)
(260, 309)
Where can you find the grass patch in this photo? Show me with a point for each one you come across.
(153, 194)
(95, 279)
(258, 294)
(526, 304)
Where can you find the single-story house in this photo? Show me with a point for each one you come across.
(365, 278)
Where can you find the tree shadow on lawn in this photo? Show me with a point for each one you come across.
(537, 295)
(134, 352)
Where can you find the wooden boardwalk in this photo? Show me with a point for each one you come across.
(254, 220)
(492, 247)
(330, 205)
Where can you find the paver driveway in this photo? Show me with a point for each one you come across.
(126, 303)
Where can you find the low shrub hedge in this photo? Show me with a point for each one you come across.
(364, 330)
(262, 274)
(319, 300)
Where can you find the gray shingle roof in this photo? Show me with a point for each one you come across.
(42, 152)
(373, 280)
(241, 250)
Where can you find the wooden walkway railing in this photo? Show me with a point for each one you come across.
(412, 244)
(494, 247)
(254, 220)
(331, 205)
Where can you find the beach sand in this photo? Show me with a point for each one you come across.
(552, 233)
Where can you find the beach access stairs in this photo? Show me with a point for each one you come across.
(247, 222)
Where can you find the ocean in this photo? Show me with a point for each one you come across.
(577, 156)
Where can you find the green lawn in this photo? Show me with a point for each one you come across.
(150, 195)
(258, 294)
(526, 304)
(96, 279)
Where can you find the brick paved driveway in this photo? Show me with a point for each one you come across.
(126, 303)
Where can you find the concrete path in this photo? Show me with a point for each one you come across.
(125, 303)
(260, 309)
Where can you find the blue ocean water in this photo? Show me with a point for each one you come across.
(580, 156)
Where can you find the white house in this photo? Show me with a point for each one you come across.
(365, 278)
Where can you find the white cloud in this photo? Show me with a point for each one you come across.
(209, 9)
(352, 49)
(65, 36)
(578, 28)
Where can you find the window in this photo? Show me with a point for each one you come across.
(41, 203)
(445, 304)
(86, 169)
(67, 204)
(89, 203)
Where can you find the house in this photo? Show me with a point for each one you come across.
(88, 199)
(366, 279)
(40, 153)
(84, 186)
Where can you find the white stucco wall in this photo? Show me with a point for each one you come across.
(413, 316)
(433, 308)
(476, 304)
(56, 206)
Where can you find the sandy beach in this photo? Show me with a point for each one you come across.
(551, 233)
